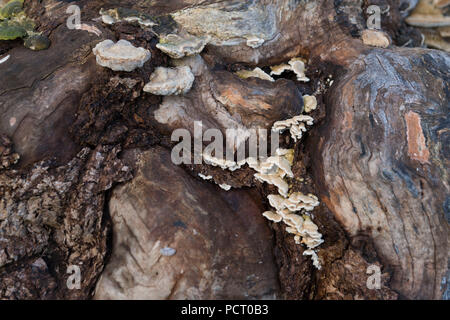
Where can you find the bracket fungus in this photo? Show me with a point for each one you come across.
(112, 16)
(310, 103)
(279, 69)
(295, 125)
(429, 14)
(276, 180)
(375, 38)
(222, 163)
(434, 22)
(314, 257)
(225, 186)
(170, 81)
(296, 65)
(305, 231)
(273, 216)
(255, 73)
(435, 39)
(249, 24)
(204, 177)
(274, 170)
(120, 56)
(295, 202)
(177, 47)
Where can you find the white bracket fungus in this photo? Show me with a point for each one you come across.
(297, 65)
(223, 163)
(296, 202)
(375, 38)
(273, 216)
(120, 56)
(177, 47)
(170, 81)
(310, 103)
(273, 170)
(305, 231)
(296, 126)
(314, 258)
(255, 73)
(204, 177)
(276, 169)
(225, 186)
(112, 16)
(279, 165)
(279, 69)
(276, 180)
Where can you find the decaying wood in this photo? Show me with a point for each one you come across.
(217, 234)
(378, 157)
(381, 162)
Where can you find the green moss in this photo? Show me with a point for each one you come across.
(11, 31)
(37, 42)
(25, 22)
(11, 9)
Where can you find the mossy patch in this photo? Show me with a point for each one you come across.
(11, 31)
(15, 24)
(11, 9)
(37, 42)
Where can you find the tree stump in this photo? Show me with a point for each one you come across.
(86, 179)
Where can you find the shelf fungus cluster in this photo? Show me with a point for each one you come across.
(292, 208)
(112, 16)
(14, 24)
(432, 17)
(376, 38)
(275, 170)
(310, 103)
(295, 125)
(296, 65)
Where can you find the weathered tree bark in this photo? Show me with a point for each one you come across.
(382, 162)
(377, 158)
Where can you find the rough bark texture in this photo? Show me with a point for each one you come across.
(223, 247)
(378, 157)
(383, 162)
